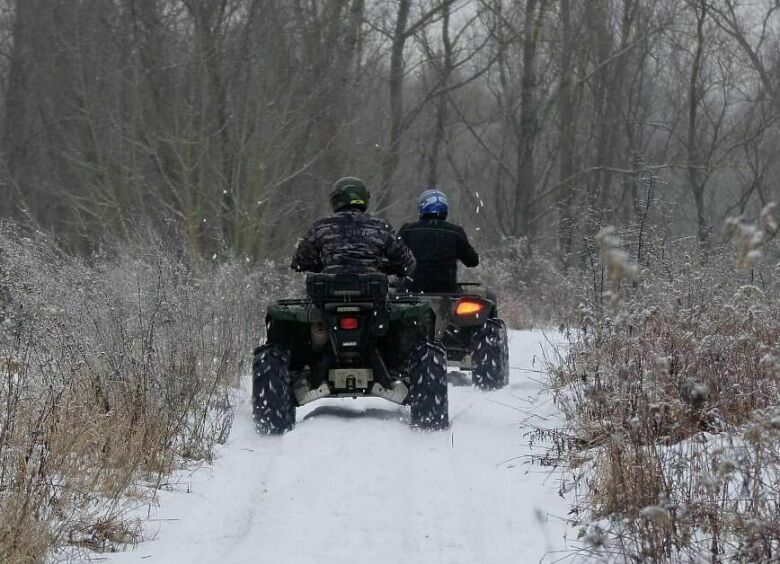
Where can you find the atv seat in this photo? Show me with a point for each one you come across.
(346, 287)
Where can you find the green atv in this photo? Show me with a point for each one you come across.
(468, 326)
(349, 338)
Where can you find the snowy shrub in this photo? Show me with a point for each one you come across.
(113, 369)
(672, 394)
(534, 289)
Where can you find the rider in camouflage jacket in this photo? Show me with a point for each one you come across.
(350, 241)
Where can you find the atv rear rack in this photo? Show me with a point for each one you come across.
(294, 302)
(396, 299)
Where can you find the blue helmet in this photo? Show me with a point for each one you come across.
(432, 203)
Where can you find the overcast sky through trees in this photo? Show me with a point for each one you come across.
(228, 120)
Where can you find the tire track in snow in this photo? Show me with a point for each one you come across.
(352, 483)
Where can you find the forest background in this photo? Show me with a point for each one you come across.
(228, 120)
(615, 162)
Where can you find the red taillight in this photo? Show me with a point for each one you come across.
(468, 307)
(349, 323)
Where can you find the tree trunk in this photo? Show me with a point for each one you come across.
(16, 124)
(441, 102)
(696, 179)
(566, 133)
(611, 93)
(525, 177)
(397, 67)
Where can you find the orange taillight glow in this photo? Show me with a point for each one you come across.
(468, 307)
(348, 323)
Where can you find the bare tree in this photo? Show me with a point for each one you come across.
(226, 119)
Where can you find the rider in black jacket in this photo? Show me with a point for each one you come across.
(437, 246)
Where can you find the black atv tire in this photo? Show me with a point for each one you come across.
(273, 406)
(490, 356)
(428, 387)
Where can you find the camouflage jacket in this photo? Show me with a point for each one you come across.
(352, 242)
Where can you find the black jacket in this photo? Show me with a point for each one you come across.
(352, 242)
(437, 246)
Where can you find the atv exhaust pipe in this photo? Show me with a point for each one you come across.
(396, 394)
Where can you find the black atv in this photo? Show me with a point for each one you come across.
(475, 338)
(348, 338)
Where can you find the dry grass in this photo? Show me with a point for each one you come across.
(112, 371)
(672, 393)
(117, 367)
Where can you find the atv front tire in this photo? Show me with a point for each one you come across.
(428, 387)
(273, 406)
(490, 356)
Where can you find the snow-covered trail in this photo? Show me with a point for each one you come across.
(352, 483)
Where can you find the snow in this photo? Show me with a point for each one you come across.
(352, 483)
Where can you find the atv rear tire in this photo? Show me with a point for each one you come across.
(272, 403)
(428, 387)
(490, 356)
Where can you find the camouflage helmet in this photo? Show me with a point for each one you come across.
(349, 192)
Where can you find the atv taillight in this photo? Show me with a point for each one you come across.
(468, 307)
(349, 323)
